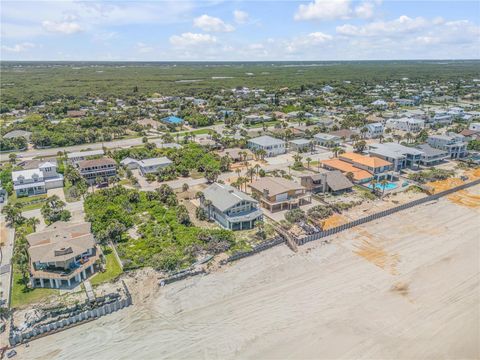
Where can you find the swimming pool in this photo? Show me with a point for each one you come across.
(388, 186)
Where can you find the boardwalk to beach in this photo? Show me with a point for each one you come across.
(405, 286)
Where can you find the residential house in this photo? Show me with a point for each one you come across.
(230, 208)
(432, 156)
(443, 118)
(76, 113)
(149, 123)
(255, 118)
(37, 181)
(344, 134)
(363, 168)
(147, 166)
(399, 155)
(327, 140)
(454, 146)
(103, 168)
(406, 124)
(380, 104)
(62, 255)
(300, 145)
(326, 181)
(276, 193)
(75, 157)
(272, 146)
(18, 133)
(374, 130)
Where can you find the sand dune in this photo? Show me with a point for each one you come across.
(404, 287)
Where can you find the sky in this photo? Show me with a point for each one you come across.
(215, 30)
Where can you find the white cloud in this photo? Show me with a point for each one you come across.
(64, 27)
(365, 10)
(143, 48)
(192, 39)
(324, 10)
(402, 25)
(212, 24)
(336, 9)
(17, 48)
(241, 17)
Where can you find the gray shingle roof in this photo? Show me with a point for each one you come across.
(223, 196)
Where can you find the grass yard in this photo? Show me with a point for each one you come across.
(113, 268)
(28, 203)
(260, 125)
(21, 295)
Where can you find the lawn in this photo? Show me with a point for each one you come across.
(21, 296)
(259, 125)
(113, 268)
(194, 132)
(28, 203)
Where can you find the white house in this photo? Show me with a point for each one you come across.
(254, 118)
(147, 166)
(37, 181)
(406, 124)
(374, 130)
(399, 155)
(271, 145)
(380, 104)
(327, 140)
(454, 146)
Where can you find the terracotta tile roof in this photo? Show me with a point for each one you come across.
(358, 174)
(373, 162)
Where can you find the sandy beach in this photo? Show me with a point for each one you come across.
(404, 287)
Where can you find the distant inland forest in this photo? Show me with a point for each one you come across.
(30, 83)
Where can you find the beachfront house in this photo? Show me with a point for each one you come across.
(230, 208)
(326, 181)
(277, 194)
(432, 156)
(62, 255)
(270, 145)
(399, 155)
(38, 180)
(453, 145)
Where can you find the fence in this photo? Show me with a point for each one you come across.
(322, 234)
(261, 247)
(56, 326)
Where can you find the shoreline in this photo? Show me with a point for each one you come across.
(375, 284)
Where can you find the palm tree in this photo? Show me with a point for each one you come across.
(374, 184)
(33, 222)
(383, 183)
(335, 150)
(308, 162)
(257, 169)
(251, 172)
(207, 203)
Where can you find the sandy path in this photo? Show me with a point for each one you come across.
(404, 287)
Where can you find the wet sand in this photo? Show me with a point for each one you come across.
(404, 287)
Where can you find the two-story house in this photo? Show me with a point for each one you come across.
(270, 145)
(400, 156)
(37, 181)
(326, 181)
(97, 168)
(374, 130)
(452, 145)
(277, 194)
(75, 157)
(62, 255)
(327, 140)
(405, 124)
(230, 208)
